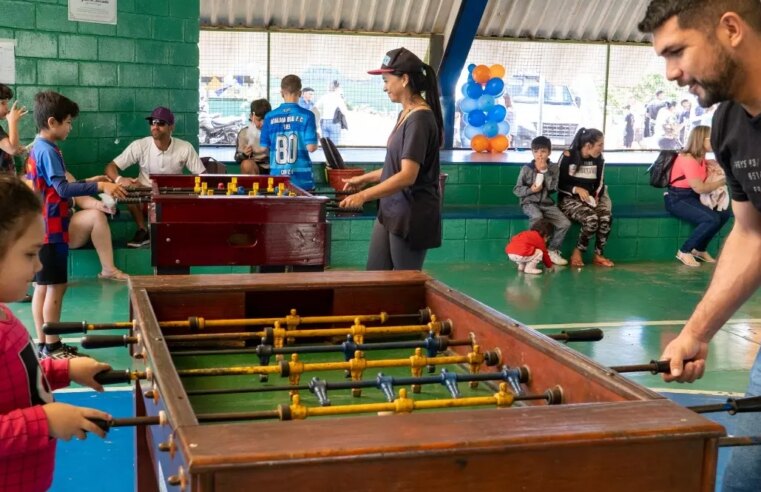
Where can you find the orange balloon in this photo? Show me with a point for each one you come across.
(497, 71)
(500, 143)
(479, 143)
(481, 74)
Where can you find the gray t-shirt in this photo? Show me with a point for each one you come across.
(414, 213)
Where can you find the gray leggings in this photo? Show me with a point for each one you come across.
(391, 252)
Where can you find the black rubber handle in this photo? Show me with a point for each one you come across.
(749, 404)
(586, 335)
(661, 366)
(64, 327)
(104, 341)
(103, 424)
(113, 377)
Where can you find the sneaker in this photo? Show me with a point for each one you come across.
(687, 259)
(703, 256)
(556, 258)
(61, 351)
(140, 239)
(521, 266)
(532, 269)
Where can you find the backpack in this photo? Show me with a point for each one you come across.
(660, 170)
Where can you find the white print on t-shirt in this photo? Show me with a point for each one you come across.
(586, 171)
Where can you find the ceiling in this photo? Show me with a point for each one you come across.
(579, 20)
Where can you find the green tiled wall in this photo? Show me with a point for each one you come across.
(116, 73)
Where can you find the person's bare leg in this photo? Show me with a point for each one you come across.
(38, 301)
(92, 224)
(51, 309)
(249, 167)
(137, 213)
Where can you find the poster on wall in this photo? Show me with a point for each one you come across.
(99, 11)
(8, 61)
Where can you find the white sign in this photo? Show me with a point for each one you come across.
(100, 11)
(8, 61)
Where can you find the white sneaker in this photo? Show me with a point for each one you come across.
(521, 266)
(687, 259)
(556, 258)
(532, 269)
(703, 255)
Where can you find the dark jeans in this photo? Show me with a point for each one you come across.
(685, 204)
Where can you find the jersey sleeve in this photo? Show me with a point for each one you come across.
(264, 137)
(56, 372)
(128, 157)
(310, 130)
(23, 431)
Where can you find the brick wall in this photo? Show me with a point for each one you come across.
(116, 73)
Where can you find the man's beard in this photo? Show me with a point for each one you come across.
(720, 88)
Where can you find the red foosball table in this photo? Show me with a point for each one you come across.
(565, 424)
(235, 220)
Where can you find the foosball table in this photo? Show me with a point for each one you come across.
(233, 220)
(379, 381)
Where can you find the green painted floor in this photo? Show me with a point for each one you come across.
(619, 300)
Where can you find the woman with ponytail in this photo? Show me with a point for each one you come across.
(409, 214)
(583, 196)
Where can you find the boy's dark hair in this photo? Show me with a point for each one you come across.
(49, 104)
(291, 84)
(261, 107)
(699, 14)
(307, 89)
(19, 205)
(5, 92)
(585, 136)
(543, 227)
(541, 142)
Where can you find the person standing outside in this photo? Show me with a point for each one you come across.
(306, 100)
(328, 105)
(409, 215)
(158, 154)
(9, 141)
(712, 47)
(290, 134)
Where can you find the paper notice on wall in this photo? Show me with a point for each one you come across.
(8, 61)
(100, 11)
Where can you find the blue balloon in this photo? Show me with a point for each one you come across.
(485, 102)
(496, 113)
(464, 90)
(467, 105)
(471, 131)
(494, 87)
(471, 67)
(476, 118)
(503, 128)
(474, 90)
(490, 129)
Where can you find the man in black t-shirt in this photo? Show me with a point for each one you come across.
(712, 46)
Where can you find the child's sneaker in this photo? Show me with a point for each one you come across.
(687, 259)
(521, 266)
(556, 258)
(703, 256)
(60, 351)
(532, 269)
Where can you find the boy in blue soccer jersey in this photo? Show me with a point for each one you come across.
(290, 134)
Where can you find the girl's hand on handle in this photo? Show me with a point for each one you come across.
(66, 421)
(112, 189)
(82, 370)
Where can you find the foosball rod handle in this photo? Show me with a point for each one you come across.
(106, 425)
(732, 405)
(64, 327)
(113, 377)
(654, 367)
(106, 341)
(585, 335)
(732, 441)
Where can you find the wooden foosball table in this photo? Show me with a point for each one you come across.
(558, 422)
(234, 220)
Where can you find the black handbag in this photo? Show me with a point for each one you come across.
(340, 118)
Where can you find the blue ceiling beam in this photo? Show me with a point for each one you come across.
(458, 43)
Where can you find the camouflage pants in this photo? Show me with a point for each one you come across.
(595, 221)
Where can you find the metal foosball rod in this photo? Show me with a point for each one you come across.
(319, 387)
(423, 316)
(295, 411)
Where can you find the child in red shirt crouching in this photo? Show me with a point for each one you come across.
(528, 248)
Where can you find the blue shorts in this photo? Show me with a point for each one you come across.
(55, 264)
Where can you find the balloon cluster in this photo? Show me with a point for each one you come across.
(483, 118)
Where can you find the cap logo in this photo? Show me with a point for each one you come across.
(386, 60)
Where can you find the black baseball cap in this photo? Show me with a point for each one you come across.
(399, 60)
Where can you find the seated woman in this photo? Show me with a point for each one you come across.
(687, 181)
(583, 195)
(89, 223)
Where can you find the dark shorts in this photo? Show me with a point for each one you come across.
(55, 264)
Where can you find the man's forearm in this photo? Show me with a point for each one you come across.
(737, 276)
(112, 171)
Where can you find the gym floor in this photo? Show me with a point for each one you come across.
(639, 307)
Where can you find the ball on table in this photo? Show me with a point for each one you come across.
(241, 190)
(220, 186)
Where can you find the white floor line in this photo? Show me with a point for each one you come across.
(728, 394)
(85, 390)
(624, 324)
